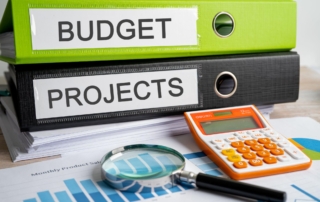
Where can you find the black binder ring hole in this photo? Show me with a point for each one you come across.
(225, 85)
(223, 24)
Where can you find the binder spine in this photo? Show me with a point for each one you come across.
(59, 31)
(261, 79)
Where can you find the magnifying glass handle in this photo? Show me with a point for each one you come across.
(239, 188)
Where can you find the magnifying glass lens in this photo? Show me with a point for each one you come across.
(141, 162)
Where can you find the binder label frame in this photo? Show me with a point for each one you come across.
(58, 29)
(115, 93)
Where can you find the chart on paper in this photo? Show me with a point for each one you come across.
(83, 187)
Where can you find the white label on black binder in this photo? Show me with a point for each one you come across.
(112, 28)
(72, 96)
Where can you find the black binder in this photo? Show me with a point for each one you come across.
(95, 92)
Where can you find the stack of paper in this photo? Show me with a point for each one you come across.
(30, 145)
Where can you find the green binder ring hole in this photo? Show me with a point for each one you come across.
(223, 24)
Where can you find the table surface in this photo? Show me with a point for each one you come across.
(308, 104)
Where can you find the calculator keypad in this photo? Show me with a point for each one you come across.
(256, 148)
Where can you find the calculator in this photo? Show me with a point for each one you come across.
(243, 144)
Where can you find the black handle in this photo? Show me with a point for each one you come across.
(239, 188)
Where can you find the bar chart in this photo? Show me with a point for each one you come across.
(201, 160)
(91, 190)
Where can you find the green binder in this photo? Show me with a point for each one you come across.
(94, 30)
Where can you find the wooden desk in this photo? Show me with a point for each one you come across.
(308, 104)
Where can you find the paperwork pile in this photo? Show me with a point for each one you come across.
(30, 145)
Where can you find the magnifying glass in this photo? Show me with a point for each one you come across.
(143, 168)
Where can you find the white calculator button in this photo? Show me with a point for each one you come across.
(223, 146)
(217, 141)
(267, 135)
(271, 134)
(283, 158)
(277, 139)
(231, 139)
(294, 152)
(257, 135)
(245, 137)
(249, 133)
(284, 144)
(236, 134)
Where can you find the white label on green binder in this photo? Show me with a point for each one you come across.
(112, 28)
(72, 96)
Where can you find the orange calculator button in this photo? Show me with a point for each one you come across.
(264, 140)
(255, 162)
(243, 149)
(263, 153)
(270, 146)
(250, 142)
(228, 152)
(250, 155)
(234, 158)
(237, 144)
(240, 164)
(277, 151)
(257, 147)
(270, 160)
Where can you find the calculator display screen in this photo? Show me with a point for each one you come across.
(222, 126)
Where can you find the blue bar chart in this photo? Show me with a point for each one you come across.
(201, 160)
(63, 196)
(90, 190)
(45, 196)
(75, 190)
